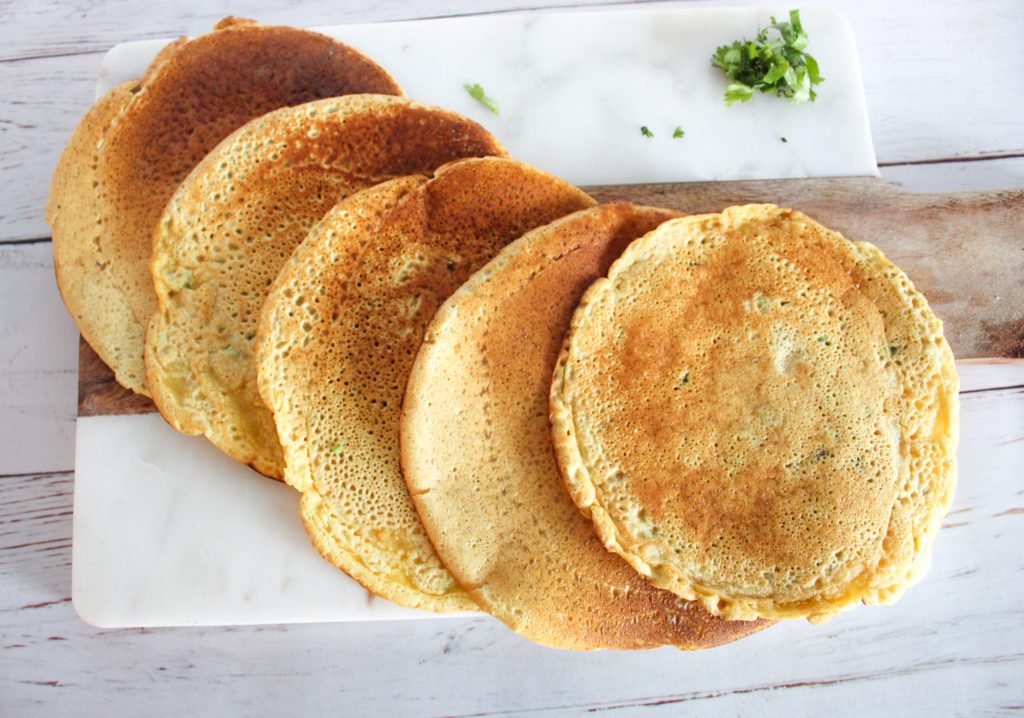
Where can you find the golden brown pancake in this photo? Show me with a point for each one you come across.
(232, 224)
(477, 457)
(759, 415)
(74, 212)
(85, 279)
(194, 94)
(337, 337)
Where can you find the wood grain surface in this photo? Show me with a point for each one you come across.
(98, 390)
(962, 250)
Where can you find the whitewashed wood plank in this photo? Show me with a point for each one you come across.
(68, 27)
(951, 646)
(976, 375)
(964, 176)
(938, 78)
(907, 692)
(35, 541)
(41, 102)
(38, 364)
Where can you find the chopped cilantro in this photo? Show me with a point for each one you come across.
(783, 139)
(738, 92)
(678, 134)
(646, 132)
(777, 65)
(336, 449)
(477, 93)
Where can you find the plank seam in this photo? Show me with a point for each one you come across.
(30, 474)
(22, 242)
(655, 701)
(953, 160)
(72, 53)
(992, 388)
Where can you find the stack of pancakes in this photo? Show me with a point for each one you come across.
(610, 426)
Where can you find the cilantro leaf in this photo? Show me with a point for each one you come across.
(477, 93)
(646, 132)
(679, 133)
(774, 64)
(738, 92)
(812, 70)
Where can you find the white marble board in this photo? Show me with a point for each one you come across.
(169, 532)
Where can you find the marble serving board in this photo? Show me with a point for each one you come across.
(169, 532)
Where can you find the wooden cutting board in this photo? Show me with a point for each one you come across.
(187, 566)
(964, 251)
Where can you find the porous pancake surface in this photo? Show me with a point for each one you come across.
(230, 227)
(477, 457)
(337, 337)
(194, 94)
(759, 415)
(84, 275)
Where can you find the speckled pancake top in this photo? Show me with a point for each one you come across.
(84, 274)
(337, 337)
(235, 220)
(194, 94)
(760, 415)
(477, 455)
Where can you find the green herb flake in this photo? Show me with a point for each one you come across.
(477, 93)
(783, 139)
(336, 449)
(771, 63)
(738, 92)
(660, 190)
(679, 133)
(646, 132)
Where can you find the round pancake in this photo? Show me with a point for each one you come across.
(476, 451)
(75, 215)
(84, 276)
(234, 222)
(337, 337)
(194, 94)
(759, 415)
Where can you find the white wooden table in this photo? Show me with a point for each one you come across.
(945, 90)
